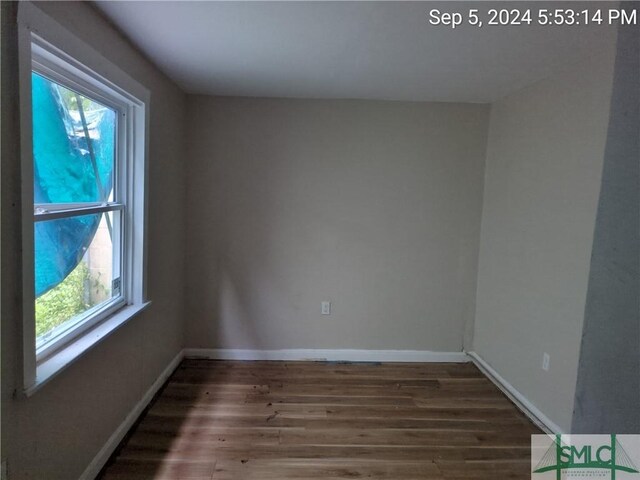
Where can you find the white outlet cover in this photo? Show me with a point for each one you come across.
(326, 308)
(545, 362)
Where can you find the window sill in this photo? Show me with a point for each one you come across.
(56, 363)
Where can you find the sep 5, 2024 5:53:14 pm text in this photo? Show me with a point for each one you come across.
(532, 17)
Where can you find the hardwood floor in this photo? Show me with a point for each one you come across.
(226, 420)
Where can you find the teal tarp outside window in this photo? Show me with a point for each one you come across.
(69, 167)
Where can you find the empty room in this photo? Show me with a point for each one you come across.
(281, 240)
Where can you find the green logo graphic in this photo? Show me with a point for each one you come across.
(607, 456)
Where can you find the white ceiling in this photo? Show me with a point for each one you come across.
(378, 50)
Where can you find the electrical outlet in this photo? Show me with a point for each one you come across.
(545, 361)
(326, 308)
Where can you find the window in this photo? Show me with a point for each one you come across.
(83, 196)
(77, 211)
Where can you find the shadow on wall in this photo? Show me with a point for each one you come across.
(608, 385)
(247, 272)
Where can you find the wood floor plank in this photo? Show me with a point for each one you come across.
(234, 420)
(135, 469)
(177, 424)
(362, 452)
(333, 468)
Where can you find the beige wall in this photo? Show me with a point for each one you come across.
(372, 205)
(57, 432)
(608, 384)
(544, 164)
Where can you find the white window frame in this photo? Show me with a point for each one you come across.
(49, 49)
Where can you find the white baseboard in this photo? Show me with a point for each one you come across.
(328, 355)
(528, 408)
(92, 471)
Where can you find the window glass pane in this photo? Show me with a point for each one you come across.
(75, 265)
(73, 145)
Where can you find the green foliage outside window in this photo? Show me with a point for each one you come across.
(64, 301)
